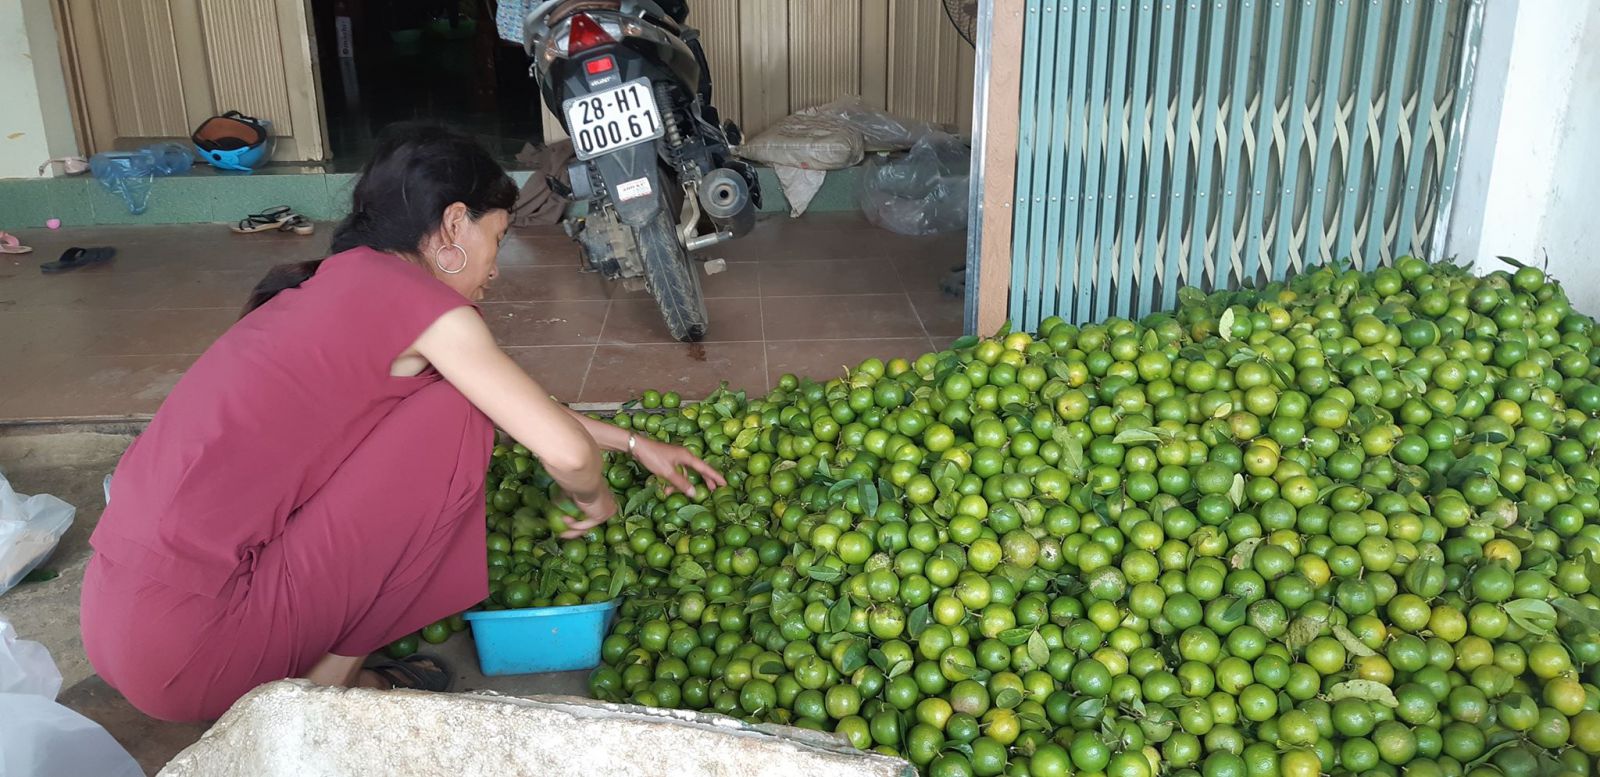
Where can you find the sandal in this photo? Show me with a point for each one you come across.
(298, 224)
(74, 258)
(266, 220)
(415, 673)
(9, 244)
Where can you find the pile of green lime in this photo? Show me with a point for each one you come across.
(1346, 524)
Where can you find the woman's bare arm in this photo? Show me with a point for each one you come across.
(670, 462)
(460, 346)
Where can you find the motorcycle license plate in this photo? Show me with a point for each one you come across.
(616, 118)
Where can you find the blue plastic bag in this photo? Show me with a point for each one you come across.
(130, 174)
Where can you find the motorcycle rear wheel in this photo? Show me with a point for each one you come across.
(672, 277)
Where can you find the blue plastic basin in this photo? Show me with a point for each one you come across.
(540, 639)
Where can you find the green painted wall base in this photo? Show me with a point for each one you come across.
(204, 196)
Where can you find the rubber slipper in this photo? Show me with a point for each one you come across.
(411, 673)
(74, 258)
(265, 221)
(9, 244)
(300, 225)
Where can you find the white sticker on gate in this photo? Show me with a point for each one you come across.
(634, 189)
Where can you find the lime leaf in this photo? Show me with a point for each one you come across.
(1072, 456)
(770, 667)
(1302, 631)
(819, 572)
(1236, 492)
(839, 615)
(1090, 708)
(784, 602)
(1365, 690)
(1225, 325)
(918, 621)
(1038, 649)
(637, 501)
(1510, 261)
(1487, 754)
(689, 570)
(1237, 610)
(1138, 707)
(854, 657)
(869, 498)
(878, 659)
(1135, 436)
(1015, 637)
(1008, 698)
(958, 667)
(746, 438)
(840, 487)
(1536, 616)
(1351, 642)
(1581, 615)
(1244, 552)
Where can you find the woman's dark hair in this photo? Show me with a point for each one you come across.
(416, 172)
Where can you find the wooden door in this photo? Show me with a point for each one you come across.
(147, 70)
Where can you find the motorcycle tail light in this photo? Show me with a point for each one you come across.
(584, 34)
(600, 65)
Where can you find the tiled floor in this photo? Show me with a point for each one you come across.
(806, 296)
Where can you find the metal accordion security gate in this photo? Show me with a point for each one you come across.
(1220, 143)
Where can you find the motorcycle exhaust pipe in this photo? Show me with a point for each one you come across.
(706, 241)
(725, 197)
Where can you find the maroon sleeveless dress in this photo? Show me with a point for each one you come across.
(291, 499)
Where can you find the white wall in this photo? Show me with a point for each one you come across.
(35, 118)
(1530, 168)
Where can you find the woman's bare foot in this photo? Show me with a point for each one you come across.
(416, 672)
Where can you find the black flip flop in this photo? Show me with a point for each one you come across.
(411, 673)
(265, 221)
(74, 258)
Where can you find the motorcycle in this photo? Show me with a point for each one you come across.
(629, 83)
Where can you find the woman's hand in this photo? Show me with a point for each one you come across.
(595, 512)
(671, 462)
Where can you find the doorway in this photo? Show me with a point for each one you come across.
(384, 61)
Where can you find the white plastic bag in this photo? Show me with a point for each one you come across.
(41, 738)
(800, 186)
(880, 130)
(922, 193)
(806, 142)
(30, 527)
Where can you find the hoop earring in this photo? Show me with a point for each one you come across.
(440, 265)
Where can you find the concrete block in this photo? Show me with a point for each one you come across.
(295, 729)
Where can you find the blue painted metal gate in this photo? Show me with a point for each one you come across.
(1216, 143)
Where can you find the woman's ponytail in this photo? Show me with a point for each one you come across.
(280, 278)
